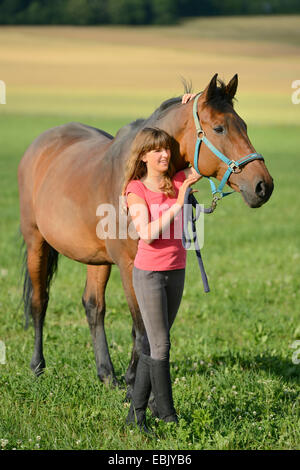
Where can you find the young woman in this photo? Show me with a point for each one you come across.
(155, 197)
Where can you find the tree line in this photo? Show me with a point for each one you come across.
(132, 12)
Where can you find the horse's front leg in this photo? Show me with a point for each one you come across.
(94, 303)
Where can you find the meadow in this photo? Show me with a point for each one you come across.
(235, 373)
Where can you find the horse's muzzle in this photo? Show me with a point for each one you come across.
(259, 194)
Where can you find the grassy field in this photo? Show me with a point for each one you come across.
(235, 383)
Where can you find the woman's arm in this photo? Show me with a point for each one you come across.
(149, 231)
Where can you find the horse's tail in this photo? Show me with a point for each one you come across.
(52, 264)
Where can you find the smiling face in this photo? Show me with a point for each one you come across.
(157, 160)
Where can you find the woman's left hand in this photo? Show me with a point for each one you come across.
(191, 172)
(195, 174)
(187, 97)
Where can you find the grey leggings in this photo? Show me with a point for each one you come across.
(159, 295)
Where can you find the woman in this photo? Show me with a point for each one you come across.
(155, 197)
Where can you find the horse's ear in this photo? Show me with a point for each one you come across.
(232, 86)
(211, 88)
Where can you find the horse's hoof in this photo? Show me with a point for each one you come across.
(38, 368)
(114, 382)
(109, 381)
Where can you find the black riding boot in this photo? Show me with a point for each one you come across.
(162, 389)
(140, 394)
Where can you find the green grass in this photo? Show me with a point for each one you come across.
(235, 385)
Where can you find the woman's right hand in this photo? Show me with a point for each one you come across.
(192, 179)
(187, 97)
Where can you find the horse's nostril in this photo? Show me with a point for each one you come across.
(261, 189)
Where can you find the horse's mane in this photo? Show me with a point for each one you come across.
(219, 101)
(129, 131)
(170, 103)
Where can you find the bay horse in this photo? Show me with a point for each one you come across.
(69, 170)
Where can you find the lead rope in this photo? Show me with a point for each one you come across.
(191, 202)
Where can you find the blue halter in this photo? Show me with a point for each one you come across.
(232, 165)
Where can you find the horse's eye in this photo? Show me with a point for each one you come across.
(219, 129)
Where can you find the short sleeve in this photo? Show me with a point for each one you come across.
(179, 178)
(136, 188)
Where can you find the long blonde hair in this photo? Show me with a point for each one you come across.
(149, 138)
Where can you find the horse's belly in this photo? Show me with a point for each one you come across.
(68, 229)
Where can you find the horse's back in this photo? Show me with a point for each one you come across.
(56, 176)
(53, 141)
(52, 145)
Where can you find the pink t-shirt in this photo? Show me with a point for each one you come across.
(166, 252)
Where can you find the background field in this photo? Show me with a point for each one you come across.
(235, 384)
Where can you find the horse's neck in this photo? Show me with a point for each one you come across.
(175, 123)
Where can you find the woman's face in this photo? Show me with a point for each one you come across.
(157, 160)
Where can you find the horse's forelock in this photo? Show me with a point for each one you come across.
(220, 98)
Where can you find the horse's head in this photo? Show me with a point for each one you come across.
(223, 133)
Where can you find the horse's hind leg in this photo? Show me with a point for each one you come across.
(37, 296)
(94, 303)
